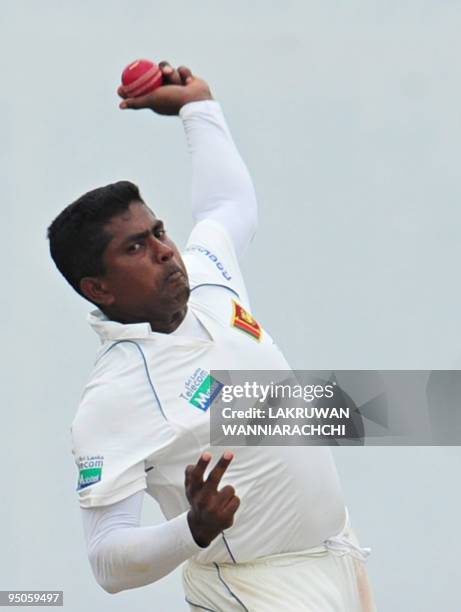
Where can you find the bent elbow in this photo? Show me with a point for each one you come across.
(109, 586)
(109, 583)
(102, 573)
(114, 577)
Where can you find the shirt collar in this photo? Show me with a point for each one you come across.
(108, 330)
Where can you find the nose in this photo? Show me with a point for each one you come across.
(161, 252)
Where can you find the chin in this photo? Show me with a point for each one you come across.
(182, 288)
(184, 296)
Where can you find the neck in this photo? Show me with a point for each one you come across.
(169, 324)
(165, 323)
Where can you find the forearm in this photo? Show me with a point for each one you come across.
(222, 188)
(124, 555)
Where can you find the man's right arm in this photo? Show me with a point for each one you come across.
(123, 555)
(222, 189)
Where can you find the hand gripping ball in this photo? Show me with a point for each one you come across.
(141, 77)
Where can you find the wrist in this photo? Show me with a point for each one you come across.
(201, 539)
(199, 107)
(199, 97)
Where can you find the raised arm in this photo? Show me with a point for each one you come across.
(221, 185)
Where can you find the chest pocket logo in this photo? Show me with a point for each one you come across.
(243, 320)
(201, 389)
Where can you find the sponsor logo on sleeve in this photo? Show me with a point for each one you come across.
(243, 320)
(212, 257)
(201, 389)
(89, 470)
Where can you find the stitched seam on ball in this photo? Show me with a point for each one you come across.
(142, 79)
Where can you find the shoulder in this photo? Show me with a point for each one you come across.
(119, 400)
(211, 260)
(210, 253)
(118, 425)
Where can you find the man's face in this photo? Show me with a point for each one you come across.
(145, 278)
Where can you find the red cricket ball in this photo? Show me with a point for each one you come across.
(141, 77)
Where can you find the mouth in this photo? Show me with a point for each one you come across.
(174, 276)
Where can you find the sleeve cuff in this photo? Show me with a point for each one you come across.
(182, 535)
(90, 499)
(200, 106)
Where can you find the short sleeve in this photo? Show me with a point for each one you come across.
(210, 259)
(119, 425)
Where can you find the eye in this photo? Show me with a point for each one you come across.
(135, 247)
(160, 232)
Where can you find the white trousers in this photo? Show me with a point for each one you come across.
(328, 578)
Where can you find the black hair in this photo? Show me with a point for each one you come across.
(77, 237)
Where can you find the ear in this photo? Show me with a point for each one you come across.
(95, 290)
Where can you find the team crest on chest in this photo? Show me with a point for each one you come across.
(243, 320)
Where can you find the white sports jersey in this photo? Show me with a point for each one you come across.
(138, 425)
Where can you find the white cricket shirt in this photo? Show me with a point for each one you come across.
(136, 427)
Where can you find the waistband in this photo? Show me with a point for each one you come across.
(345, 542)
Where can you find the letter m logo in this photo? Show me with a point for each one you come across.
(206, 393)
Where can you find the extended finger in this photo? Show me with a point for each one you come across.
(187, 473)
(217, 472)
(198, 470)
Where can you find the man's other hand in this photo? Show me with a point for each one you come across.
(211, 511)
(179, 87)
